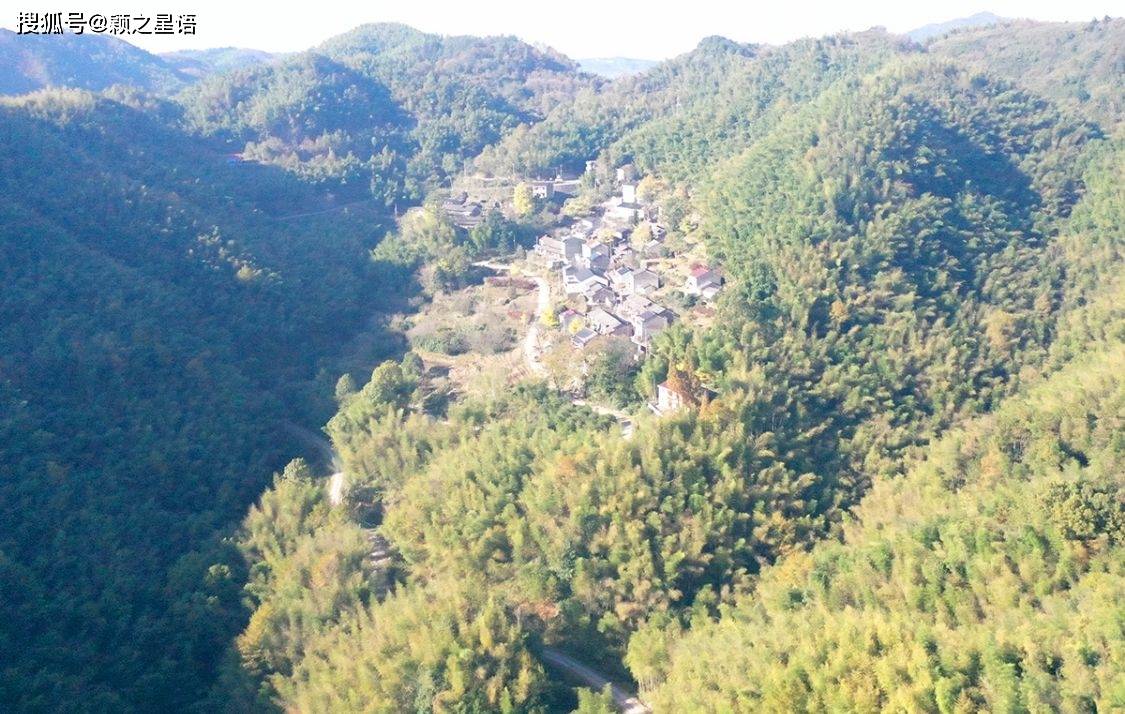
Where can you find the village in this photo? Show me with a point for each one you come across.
(608, 275)
(609, 283)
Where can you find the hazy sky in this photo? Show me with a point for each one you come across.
(652, 29)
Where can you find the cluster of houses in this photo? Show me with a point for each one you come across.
(465, 213)
(611, 278)
(613, 283)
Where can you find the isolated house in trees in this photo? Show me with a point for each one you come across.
(669, 399)
(679, 391)
(703, 281)
(543, 189)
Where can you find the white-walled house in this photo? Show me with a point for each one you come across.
(669, 399)
(703, 281)
(647, 324)
(642, 282)
(553, 251)
(633, 282)
(579, 280)
(602, 322)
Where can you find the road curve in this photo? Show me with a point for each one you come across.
(625, 701)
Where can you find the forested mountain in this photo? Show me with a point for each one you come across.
(384, 109)
(990, 578)
(902, 490)
(93, 62)
(685, 113)
(937, 29)
(199, 63)
(319, 119)
(909, 244)
(161, 322)
(987, 578)
(1077, 65)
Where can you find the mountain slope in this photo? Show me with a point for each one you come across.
(986, 578)
(158, 329)
(82, 61)
(680, 116)
(314, 117)
(1078, 65)
(922, 260)
(383, 108)
(899, 259)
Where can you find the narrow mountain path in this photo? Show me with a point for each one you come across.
(531, 351)
(625, 700)
(330, 209)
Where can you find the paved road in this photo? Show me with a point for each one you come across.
(625, 700)
(315, 441)
(336, 488)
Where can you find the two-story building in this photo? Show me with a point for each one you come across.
(579, 280)
(703, 281)
(646, 325)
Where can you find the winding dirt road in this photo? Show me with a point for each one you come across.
(625, 701)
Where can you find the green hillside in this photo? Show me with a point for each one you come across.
(914, 245)
(1077, 65)
(161, 324)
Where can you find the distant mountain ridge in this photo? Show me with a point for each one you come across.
(937, 29)
(92, 62)
(614, 67)
(198, 63)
